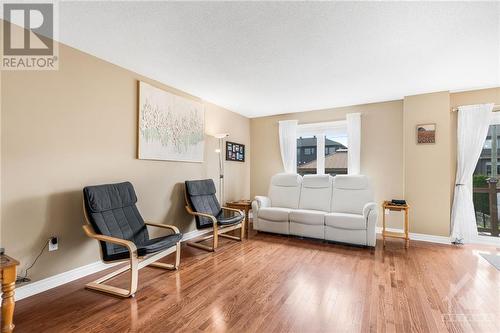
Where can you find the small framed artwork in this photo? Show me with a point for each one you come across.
(426, 133)
(235, 151)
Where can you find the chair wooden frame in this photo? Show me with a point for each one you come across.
(215, 229)
(135, 263)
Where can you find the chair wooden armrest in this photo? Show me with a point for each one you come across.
(164, 226)
(233, 210)
(190, 211)
(207, 188)
(128, 244)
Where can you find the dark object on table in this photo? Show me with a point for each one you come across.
(202, 203)
(398, 202)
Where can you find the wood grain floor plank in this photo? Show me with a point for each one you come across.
(273, 283)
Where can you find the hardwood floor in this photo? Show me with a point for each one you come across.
(273, 283)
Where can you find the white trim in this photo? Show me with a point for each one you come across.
(487, 240)
(421, 237)
(37, 287)
(59, 279)
(326, 128)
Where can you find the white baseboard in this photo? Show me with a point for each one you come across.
(37, 287)
(420, 237)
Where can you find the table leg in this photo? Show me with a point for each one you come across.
(407, 226)
(8, 285)
(247, 220)
(383, 226)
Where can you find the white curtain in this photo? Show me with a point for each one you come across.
(353, 143)
(473, 124)
(288, 144)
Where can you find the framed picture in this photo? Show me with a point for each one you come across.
(235, 151)
(426, 133)
(171, 127)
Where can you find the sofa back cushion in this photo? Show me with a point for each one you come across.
(284, 190)
(351, 193)
(316, 193)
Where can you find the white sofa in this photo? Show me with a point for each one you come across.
(339, 208)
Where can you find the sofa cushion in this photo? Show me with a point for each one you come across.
(345, 221)
(276, 214)
(350, 194)
(316, 193)
(307, 216)
(284, 190)
(351, 182)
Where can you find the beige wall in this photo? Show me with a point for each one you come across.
(428, 166)
(381, 146)
(62, 130)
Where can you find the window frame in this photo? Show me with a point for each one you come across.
(321, 131)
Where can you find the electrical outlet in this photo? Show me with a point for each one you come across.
(387, 211)
(53, 243)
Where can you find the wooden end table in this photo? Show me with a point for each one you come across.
(8, 277)
(404, 235)
(244, 205)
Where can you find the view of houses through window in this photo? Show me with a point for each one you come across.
(485, 185)
(334, 155)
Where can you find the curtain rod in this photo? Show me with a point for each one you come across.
(496, 108)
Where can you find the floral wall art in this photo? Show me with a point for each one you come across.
(171, 127)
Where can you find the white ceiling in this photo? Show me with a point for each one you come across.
(263, 58)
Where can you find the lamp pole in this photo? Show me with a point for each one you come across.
(220, 151)
(221, 171)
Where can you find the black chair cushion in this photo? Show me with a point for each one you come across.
(202, 199)
(152, 246)
(112, 212)
(228, 220)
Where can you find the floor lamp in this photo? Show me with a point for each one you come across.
(220, 151)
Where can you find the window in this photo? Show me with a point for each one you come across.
(336, 159)
(322, 148)
(485, 183)
(306, 154)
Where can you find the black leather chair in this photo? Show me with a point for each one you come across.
(112, 218)
(202, 203)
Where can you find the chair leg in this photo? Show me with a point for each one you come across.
(170, 266)
(178, 255)
(134, 274)
(215, 240)
(201, 246)
(242, 230)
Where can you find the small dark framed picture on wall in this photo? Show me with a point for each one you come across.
(426, 133)
(235, 151)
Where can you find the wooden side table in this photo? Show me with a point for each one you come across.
(244, 205)
(404, 235)
(8, 277)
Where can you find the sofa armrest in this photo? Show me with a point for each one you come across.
(370, 213)
(262, 201)
(369, 207)
(258, 203)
